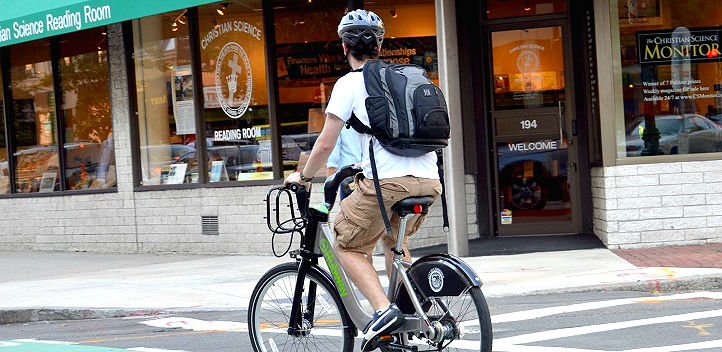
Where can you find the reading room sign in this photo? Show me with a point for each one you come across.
(693, 44)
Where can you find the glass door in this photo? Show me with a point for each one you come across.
(534, 151)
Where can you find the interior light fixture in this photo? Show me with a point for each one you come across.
(174, 27)
(301, 21)
(526, 6)
(310, 1)
(222, 9)
(393, 13)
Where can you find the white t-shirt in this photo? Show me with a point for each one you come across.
(349, 95)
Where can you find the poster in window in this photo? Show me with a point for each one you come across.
(183, 109)
(218, 171)
(177, 173)
(47, 182)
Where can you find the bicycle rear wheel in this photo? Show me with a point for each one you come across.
(327, 329)
(466, 320)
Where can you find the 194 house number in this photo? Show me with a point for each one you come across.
(528, 124)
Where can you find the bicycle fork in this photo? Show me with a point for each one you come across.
(300, 323)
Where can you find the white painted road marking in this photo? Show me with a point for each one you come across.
(196, 325)
(544, 312)
(515, 343)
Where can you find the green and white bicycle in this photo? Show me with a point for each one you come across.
(300, 306)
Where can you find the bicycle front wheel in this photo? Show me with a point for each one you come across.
(324, 324)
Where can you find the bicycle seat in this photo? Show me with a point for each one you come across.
(413, 205)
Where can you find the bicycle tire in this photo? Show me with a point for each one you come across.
(290, 271)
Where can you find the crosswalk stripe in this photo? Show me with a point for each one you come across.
(582, 330)
(544, 312)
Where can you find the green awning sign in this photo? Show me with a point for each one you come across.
(22, 21)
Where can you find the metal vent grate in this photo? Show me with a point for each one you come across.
(209, 225)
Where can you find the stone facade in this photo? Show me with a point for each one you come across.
(157, 221)
(647, 205)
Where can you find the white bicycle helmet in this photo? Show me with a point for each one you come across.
(361, 26)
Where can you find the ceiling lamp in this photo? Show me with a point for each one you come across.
(222, 9)
(527, 7)
(393, 13)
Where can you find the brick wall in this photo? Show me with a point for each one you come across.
(658, 204)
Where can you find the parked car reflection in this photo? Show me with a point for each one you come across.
(531, 179)
(679, 134)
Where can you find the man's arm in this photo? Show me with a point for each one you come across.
(321, 149)
(334, 158)
(324, 144)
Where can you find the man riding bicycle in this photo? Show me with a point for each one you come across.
(359, 225)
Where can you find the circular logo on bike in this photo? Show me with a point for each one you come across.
(436, 279)
(234, 80)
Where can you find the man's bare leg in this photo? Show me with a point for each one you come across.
(364, 276)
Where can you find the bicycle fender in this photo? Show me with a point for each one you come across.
(437, 275)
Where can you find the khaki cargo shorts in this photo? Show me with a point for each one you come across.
(359, 225)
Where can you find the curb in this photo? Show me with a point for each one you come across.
(26, 315)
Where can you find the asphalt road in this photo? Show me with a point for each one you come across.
(581, 322)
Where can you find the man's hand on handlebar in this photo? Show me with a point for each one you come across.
(295, 178)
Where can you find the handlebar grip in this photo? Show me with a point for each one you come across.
(302, 197)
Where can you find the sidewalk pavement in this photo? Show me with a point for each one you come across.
(67, 285)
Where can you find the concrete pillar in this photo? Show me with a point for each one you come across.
(448, 56)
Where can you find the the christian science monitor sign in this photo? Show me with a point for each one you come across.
(680, 44)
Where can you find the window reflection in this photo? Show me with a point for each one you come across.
(4, 169)
(36, 149)
(88, 147)
(534, 181)
(671, 74)
(310, 59)
(164, 84)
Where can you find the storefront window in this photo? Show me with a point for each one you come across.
(518, 8)
(36, 148)
(310, 60)
(671, 77)
(235, 111)
(89, 155)
(166, 115)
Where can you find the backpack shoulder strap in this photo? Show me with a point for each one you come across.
(357, 125)
(440, 166)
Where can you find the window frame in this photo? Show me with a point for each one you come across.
(10, 140)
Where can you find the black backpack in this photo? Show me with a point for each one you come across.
(408, 117)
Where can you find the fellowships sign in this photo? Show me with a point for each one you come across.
(22, 21)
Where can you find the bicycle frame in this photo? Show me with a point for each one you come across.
(319, 241)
